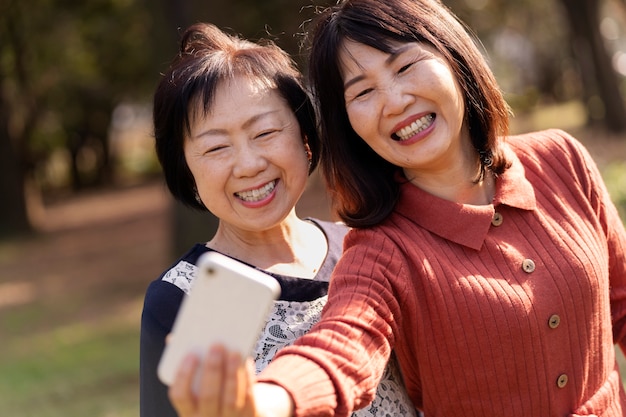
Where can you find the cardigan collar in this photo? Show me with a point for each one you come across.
(466, 224)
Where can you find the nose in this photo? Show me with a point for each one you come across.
(395, 99)
(249, 162)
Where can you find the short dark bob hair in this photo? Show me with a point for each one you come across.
(363, 185)
(207, 57)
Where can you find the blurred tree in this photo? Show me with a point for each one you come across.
(14, 216)
(549, 51)
(65, 65)
(599, 77)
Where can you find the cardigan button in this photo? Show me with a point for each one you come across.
(554, 321)
(561, 382)
(528, 265)
(497, 219)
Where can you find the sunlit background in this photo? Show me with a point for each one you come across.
(85, 221)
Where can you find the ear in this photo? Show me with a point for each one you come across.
(307, 149)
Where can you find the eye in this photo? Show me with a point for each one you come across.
(364, 92)
(266, 133)
(405, 68)
(214, 149)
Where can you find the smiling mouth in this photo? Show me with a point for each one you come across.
(414, 128)
(258, 194)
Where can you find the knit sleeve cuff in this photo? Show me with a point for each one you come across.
(307, 383)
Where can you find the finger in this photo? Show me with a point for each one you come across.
(180, 392)
(250, 406)
(235, 384)
(211, 381)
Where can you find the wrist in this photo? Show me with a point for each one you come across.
(272, 400)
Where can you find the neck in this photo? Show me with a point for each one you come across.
(459, 186)
(294, 247)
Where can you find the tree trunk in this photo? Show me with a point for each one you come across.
(599, 78)
(13, 214)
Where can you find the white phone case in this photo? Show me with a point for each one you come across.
(228, 304)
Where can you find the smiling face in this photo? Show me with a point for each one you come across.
(407, 106)
(247, 156)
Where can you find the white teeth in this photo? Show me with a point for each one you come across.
(258, 194)
(415, 127)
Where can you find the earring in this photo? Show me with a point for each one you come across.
(486, 158)
(307, 150)
(197, 197)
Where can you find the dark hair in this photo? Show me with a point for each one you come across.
(363, 185)
(207, 57)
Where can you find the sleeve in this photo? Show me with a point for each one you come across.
(613, 229)
(615, 233)
(161, 305)
(336, 367)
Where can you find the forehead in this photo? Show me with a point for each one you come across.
(349, 47)
(240, 103)
(354, 55)
(238, 93)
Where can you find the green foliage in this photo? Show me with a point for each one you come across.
(82, 369)
(614, 175)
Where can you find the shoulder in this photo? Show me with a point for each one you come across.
(332, 229)
(554, 144)
(555, 160)
(391, 231)
(160, 306)
(381, 246)
(164, 294)
(182, 272)
(335, 233)
(553, 148)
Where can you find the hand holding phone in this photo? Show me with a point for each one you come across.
(227, 304)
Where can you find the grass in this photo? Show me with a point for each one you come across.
(87, 368)
(614, 175)
(70, 304)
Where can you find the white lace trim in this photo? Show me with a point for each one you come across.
(182, 275)
(289, 320)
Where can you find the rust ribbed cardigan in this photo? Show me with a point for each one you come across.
(509, 309)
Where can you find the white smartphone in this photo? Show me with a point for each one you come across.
(228, 304)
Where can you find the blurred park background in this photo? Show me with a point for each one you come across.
(85, 221)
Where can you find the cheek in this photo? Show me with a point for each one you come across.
(360, 118)
(289, 153)
(193, 161)
(193, 166)
(451, 89)
(208, 173)
(298, 157)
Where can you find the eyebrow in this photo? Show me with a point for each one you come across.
(390, 59)
(245, 125)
